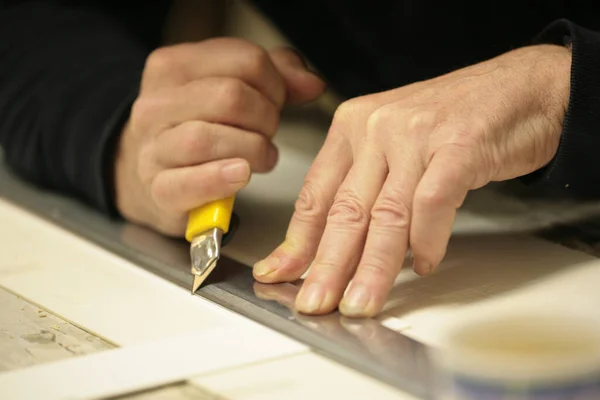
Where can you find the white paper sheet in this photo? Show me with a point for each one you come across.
(143, 366)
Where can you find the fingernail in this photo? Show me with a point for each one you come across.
(301, 58)
(304, 67)
(310, 298)
(236, 171)
(266, 266)
(310, 71)
(356, 301)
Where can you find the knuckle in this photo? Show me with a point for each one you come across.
(348, 211)
(391, 214)
(256, 59)
(308, 206)
(232, 95)
(195, 140)
(161, 60)
(431, 197)
(421, 121)
(417, 121)
(352, 114)
(347, 111)
(385, 121)
(328, 268)
(379, 120)
(377, 266)
(143, 108)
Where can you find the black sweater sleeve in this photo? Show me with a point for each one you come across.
(575, 170)
(68, 75)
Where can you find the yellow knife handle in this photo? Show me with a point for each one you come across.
(216, 214)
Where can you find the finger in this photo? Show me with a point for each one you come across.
(387, 238)
(197, 142)
(302, 85)
(217, 100)
(292, 258)
(222, 57)
(183, 189)
(343, 239)
(439, 194)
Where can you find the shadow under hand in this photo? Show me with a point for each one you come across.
(481, 267)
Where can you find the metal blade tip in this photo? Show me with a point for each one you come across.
(197, 282)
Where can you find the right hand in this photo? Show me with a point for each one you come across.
(203, 121)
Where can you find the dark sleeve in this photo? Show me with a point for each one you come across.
(575, 170)
(68, 76)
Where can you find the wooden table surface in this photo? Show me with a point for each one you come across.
(31, 335)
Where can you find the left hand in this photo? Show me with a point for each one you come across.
(396, 166)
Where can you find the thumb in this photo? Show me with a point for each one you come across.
(301, 85)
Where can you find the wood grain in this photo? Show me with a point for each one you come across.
(30, 335)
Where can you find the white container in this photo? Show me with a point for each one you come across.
(520, 356)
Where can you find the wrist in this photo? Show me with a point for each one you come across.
(554, 70)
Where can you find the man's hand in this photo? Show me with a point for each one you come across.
(396, 166)
(203, 121)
